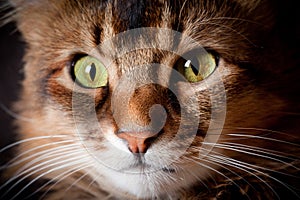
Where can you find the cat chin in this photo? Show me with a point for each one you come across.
(142, 186)
(149, 185)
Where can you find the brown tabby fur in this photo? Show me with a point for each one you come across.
(258, 76)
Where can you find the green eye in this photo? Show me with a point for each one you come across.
(90, 72)
(198, 68)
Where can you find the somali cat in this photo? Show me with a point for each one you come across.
(154, 100)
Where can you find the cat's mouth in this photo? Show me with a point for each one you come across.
(145, 168)
(142, 167)
(168, 170)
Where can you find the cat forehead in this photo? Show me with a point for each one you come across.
(66, 27)
(124, 15)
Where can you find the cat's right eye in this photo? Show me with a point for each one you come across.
(89, 72)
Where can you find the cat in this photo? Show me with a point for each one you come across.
(154, 100)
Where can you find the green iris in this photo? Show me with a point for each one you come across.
(198, 68)
(90, 72)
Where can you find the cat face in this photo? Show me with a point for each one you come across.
(148, 112)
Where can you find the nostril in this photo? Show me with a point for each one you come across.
(138, 142)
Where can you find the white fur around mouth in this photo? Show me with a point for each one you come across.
(141, 185)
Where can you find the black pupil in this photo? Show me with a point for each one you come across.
(93, 72)
(195, 70)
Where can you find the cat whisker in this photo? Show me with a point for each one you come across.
(258, 167)
(242, 165)
(246, 165)
(201, 163)
(219, 158)
(223, 167)
(199, 179)
(261, 150)
(154, 186)
(30, 171)
(32, 139)
(223, 160)
(16, 160)
(50, 171)
(55, 153)
(266, 131)
(94, 180)
(52, 168)
(166, 177)
(63, 176)
(78, 180)
(9, 14)
(263, 138)
(15, 115)
(239, 149)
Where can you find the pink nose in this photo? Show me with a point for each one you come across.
(137, 142)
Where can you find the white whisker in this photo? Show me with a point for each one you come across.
(246, 165)
(39, 169)
(238, 149)
(16, 161)
(78, 180)
(32, 139)
(50, 171)
(57, 152)
(267, 131)
(15, 115)
(222, 160)
(216, 171)
(263, 151)
(263, 138)
(63, 176)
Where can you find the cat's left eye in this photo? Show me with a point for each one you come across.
(200, 66)
(89, 72)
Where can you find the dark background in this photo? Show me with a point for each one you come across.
(11, 53)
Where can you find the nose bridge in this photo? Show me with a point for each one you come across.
(140, 103)
(144, 110)
(143, 99)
